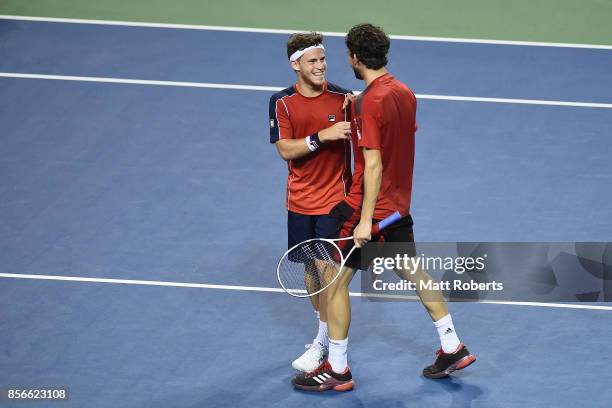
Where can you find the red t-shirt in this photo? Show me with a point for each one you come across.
(384, 118)
(321, 179)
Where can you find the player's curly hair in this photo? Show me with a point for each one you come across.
(299, 41)
(370, 44)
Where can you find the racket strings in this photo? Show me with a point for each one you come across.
(309, 267)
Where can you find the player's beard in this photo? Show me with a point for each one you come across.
(357, 74)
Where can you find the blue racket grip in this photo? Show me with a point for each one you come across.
(396, 216)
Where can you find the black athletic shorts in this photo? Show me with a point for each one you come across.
(399, 232)
(301, 227)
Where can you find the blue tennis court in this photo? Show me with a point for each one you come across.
(142, 218)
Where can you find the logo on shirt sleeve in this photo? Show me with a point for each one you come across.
(331, 118)
(272, 123)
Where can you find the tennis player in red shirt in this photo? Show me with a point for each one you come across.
(310, 128)
(383, 137)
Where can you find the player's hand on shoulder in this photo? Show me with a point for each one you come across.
(338, 131)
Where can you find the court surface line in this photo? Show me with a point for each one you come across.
(273, 290)
(285, 31)
(276, 89)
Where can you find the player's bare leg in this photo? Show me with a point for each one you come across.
(339, 320)
(433, 300)
(334, 372)
(322, 307)
(319, 301)
(339, 305)
(312, 284)
(316, 352)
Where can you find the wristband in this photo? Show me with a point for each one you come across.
(313, 142)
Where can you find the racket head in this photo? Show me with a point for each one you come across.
(310, 267)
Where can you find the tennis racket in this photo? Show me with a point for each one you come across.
(312, 266)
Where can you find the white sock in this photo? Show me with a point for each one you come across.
(338, 355)
(448, 336)
(321, 338)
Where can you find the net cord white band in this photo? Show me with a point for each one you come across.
(296, 55)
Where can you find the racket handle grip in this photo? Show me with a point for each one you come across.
(376, 228)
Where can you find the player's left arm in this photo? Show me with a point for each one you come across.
(372, 176)
(370, 144)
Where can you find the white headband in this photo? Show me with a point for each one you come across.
(299, 53)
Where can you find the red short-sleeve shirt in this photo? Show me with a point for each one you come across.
(384, 118)
(321, 179)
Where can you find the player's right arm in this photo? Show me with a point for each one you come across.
(290, 149)
(291, 146)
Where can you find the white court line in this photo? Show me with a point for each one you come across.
(274, 290)
(276, 89)
(141, 82)
(281, 31)
(138, 282)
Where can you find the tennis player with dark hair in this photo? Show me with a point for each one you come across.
(308, 124)
(383, 136)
